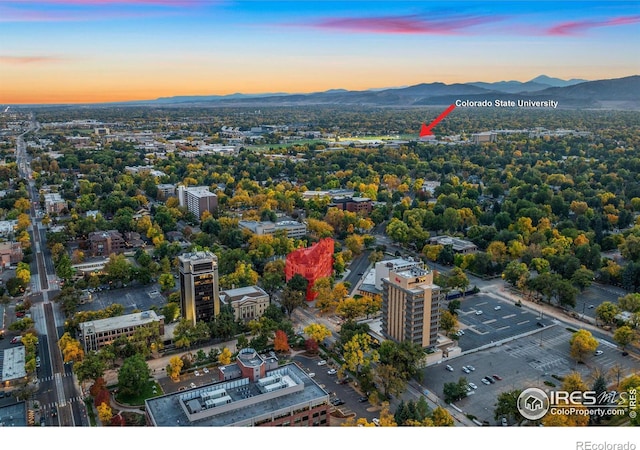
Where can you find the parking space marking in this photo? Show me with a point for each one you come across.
(503, 328)
(508, 316)
(487, 322)
(523, 322)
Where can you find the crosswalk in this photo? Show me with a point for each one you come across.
(49, 407)
(53, 377)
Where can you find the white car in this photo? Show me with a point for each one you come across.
(322, 362)
(498, 308)
(193, 385)
(196, 373)
(598, 352)
(205, 370)
(449, 368)
(332, 372)
(485, 381)
(471, 368)
(473, 386)
(465, 370)
(478, 312)
(376, 421)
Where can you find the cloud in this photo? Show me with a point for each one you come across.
(574, 28)
(411, 24)
(5, 59)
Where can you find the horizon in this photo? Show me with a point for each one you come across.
(113, 51)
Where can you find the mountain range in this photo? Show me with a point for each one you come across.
(618, 93)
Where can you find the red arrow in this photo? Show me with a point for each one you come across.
(426, 130)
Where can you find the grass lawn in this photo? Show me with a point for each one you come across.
(151, 389)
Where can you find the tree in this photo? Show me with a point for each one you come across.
(104, 413)
(582, 278)
(174, 368)
(70, 348)
(273, 277)
(389, 379)
(448, 321)
(225, 357)
(350, 309)
(358, 353)
(630, 302)
(507, 406)
(458, 280)
(166, 282)
(573, 382)
(442, 418)
(405, 356)
(607, 312)
(454, 391)
(292, 299)
(91, 367)
(582, 343)
(317, 331)
(624, 336)
(281, 342)
(514, 271)
(133, 375)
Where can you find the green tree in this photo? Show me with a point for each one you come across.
(166, 282)
(454, 391)
(292, 299)
(507, 406)
(624, 336)
(607, 312)
(91, 367)
(133, 376)
(389, 379)
(358, 353)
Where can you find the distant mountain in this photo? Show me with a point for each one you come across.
(621, 93)
(556, 82)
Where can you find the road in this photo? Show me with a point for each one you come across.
(57, 387)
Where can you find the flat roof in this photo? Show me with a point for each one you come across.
(112, 323)
(13, 363)
(249, 401)
(247, 291)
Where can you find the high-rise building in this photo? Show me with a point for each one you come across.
(312, 263)
(199, 296)
(197, 199)
(411, 306)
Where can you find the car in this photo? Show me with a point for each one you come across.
(343, 381)
(598, 352)
(312, 374)
(332, 372)
(20, 314)
(504, 422)
(468, 389)
(181, 388)
(15, 340)
(54, 412)
(465, 370)
(625, 353)
(490, 380)
(376, 421)
(205, 370)
(496, 377)
(449, 368)
(484, 380)
(591, 306)
(193, 385)
(471, 368)
(363, 399)
(460, 332)
(337, 402)
(322, 362)
(498, 308)
(540, 324)
(196, 373)
(37, 359)
(473, 386)
(478, 312)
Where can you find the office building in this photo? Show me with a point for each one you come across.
(199, 296)
(292, 228)
(197, 199)
(95, 334)
(361, 205)
(254, 394)
(312, 263)
(459, 246)
(104, 243)
(248, 303)
(411, 306)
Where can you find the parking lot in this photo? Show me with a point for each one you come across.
(132, 298)
(524, 362)
(483, 324)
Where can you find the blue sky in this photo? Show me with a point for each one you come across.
(108, 50)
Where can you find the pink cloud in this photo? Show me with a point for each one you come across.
(405, 24)
(577, 27)
(28, 59)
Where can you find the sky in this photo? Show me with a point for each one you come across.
(89, 51)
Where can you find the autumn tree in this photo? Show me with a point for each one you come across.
(281, 342)
(582, 343)
(358, 353)
(71, 348)
(448, 321)
(624, 336)
(224, 358)
(175, 367)
(317, 331)
(104, 413)
(607, 312)
(441, 417)
(389, 378)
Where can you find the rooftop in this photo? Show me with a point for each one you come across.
(113, 323)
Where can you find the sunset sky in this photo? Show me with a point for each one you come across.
(83, 51)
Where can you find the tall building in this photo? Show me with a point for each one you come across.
(199, 296)
(411, 306)
(312, 263)
(197, 199)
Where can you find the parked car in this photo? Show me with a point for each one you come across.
(449, 368)
(540, 324)
(504, 422)
(322, 362)
(478, 312)
(465, 370)
(471, 368)
(496, 377)
(205, 370)
(363, 399)
(484, 380)
(498, 308)
(332, 372)
(490, 380)
(473, 386)
(193, 385)
(196, 373)
(376, 421)
(598, 352)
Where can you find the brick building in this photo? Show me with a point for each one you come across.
(312, 263)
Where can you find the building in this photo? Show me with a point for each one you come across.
(7, 227)
(197, 199)
(248, 303)
(353, 204)
(459, 246)
(411, 306)
(104, 243)
(485, 136)
(253, 396)
(292, 228)
(166, 190)
(13, 370)
(382, 268)
(312, 263)
(199, 297)
(10, 254)
(54, 203)
(95, 334)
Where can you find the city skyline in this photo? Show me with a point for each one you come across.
(83, 51)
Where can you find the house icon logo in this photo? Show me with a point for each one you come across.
(533, 403)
